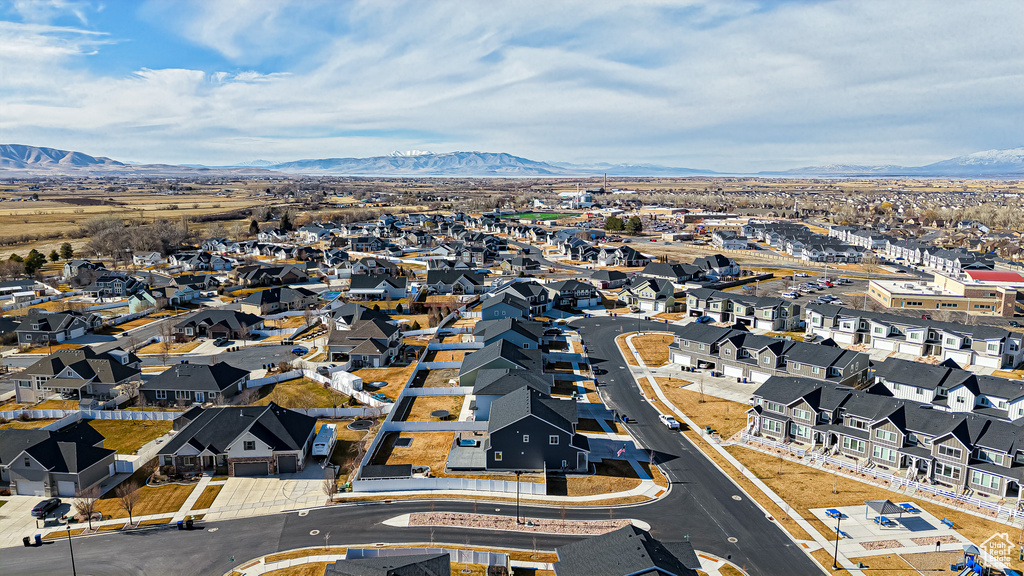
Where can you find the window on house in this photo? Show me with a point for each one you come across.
(950, 452)
(249, 445)
(161, 394)
(801, 414)
(188, 460)
(984, 480)
(887, 454)
(887, 435)
(553, 440)
(28, 462)
(853, 444)
(815, 370)
(526, 438)
(497, 456)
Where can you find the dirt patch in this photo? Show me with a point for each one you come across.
(440, 378)
(726, 416)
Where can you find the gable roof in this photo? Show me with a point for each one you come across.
(370, 281)
(428, 564)
(85, 362)
(216, 428)
(488, 329)
(527, 359)
(527, 401)
(492, 382)
(215, 378)
(233, 319)
(628, 550)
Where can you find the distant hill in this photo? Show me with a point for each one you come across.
(462, 164)
(32, 161)
(22, 157)
(988, 164)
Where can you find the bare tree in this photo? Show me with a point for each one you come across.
(700, 389)
(127, 498)
(85, 502)
(331, 483)
(167, 333)
(131, 389)
(247, 396)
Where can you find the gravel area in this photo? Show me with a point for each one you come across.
(933, 540)
(494, 522)
(881, 544)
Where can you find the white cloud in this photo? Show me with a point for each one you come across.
(725, 86)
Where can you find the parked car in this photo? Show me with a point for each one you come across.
(669, 421)
(790, 295)
(802, 275)
(1014, 323)
(704, 320)
(810, 338)
(45, 507)
(300, 350)
(837, 302)
(221, 342)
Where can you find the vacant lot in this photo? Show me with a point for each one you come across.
(440, 378)
(611, 476)
(127, 436)
(653, 348)
(423, 407)
(301, 393)
(723, 415)
(427, 449)
(396, 378)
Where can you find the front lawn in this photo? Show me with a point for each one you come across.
(127, 436)
(300, 393)
(207, 497)
(653, 348)
(175, 348)
(165, 499)
(612, 476)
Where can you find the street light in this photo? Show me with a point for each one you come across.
(518, 472)
(72, 550)
(835, 555)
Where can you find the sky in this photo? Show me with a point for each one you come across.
(722, 85)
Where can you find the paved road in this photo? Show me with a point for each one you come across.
(700, 505)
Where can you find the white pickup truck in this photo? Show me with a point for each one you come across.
(669, 421)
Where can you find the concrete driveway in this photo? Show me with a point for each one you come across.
(16, 519)
(243, 497)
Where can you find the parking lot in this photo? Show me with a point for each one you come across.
(851, 295)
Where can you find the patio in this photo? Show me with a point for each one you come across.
(908, 532)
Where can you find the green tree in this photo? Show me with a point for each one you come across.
(16, 258)
(66, 251)
(286, 222)
(34, 261)
(634, 226)
(54, 256)
(254, 228)
(35, 196)
(613, 224)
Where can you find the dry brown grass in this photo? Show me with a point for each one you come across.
(804, 488)
(591, 425)
(824, 557)
(175, 348)
(303, 552)
(155, 521)
(726, 416)
(626, 353)
(300, 393)
(47, 349)
(127, 436)
(612, 476)
(422, 406)
(427, 449)
(440, 378)
(445, 355)
(469, 569)
(671, 315)
(896, 565)
(307, 569)
(57, 405)
(396, 377)
(136, 323)
(653, 348)
(207, 497)
(152, 500)
(27, 424)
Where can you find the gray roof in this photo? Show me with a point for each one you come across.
(430, 564)
(233, 319)
(216, 428)
(278, 294)
(489, 329)
(979, 332)
(200, 377)
(501, 382)
(527, 401)
(86, 363)
(528, 359)
(626, 551)
(370, 281)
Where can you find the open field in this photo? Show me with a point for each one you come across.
(723, 415)
(127, 436)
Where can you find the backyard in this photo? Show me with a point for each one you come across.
(445, 355)
(346, 448)
(423, 407)
(439, 378)
(396, 377)
(127, 436)
(300, 393)
(427, 449)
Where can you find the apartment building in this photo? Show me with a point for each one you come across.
(754, 311)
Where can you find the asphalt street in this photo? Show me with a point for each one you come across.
(702, 505)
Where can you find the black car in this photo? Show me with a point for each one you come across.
(45, 507)
(1015, 324)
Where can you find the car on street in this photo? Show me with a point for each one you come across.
(599, 371)
(1014, 323)
(669, 421)
(45, 507)
(300, 350)
(802, 275)
(704, 320)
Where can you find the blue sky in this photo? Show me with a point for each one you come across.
(728, 86)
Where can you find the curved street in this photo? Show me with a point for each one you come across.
(701, 505)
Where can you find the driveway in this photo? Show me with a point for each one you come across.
(243, 497)
(16, 519)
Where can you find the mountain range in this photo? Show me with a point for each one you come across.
(20, 160)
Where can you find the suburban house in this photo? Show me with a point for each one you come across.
(740, 354)
(81, 372)
(627, 551)
(188, 383)
(988, 346)
(650, 295)
(259, 275)
(757, 312)
(500, 355)
(42, 463)
(728, 240)
(717, 266)
(965, 452)
(507, 305)
(113, 285)
(426, 564)
(454, 281)
(624, 256)
(377, 287)
(519, 265)
(573, 294)
(375, 266)
(278, 299)
(529, 430)
(523, 333)
(372, 343)
(674, 273)
(534, 294)
(147, 259)
(39, 328)
(240, 441)
(608, 279)
(73, 268)
(347, 315)
(217, 324)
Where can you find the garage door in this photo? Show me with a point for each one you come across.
(910, 349)
(736, 371)
(759, 376)
(287, 464)
(961, 358)
(682, 359)
(252, 469)
(65, 488)
(26, 488)
(886, 345)
(766, 324)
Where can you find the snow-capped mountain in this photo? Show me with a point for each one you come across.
(411, 153)
(1007, 162)
(22, 157)
(461, 164)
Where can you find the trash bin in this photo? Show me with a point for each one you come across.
(26, 541)
(188, 524)
(39, 539)
(181, 524)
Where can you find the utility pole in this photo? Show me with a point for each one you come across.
(74, 572)
(518, 472)
(835, 555)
